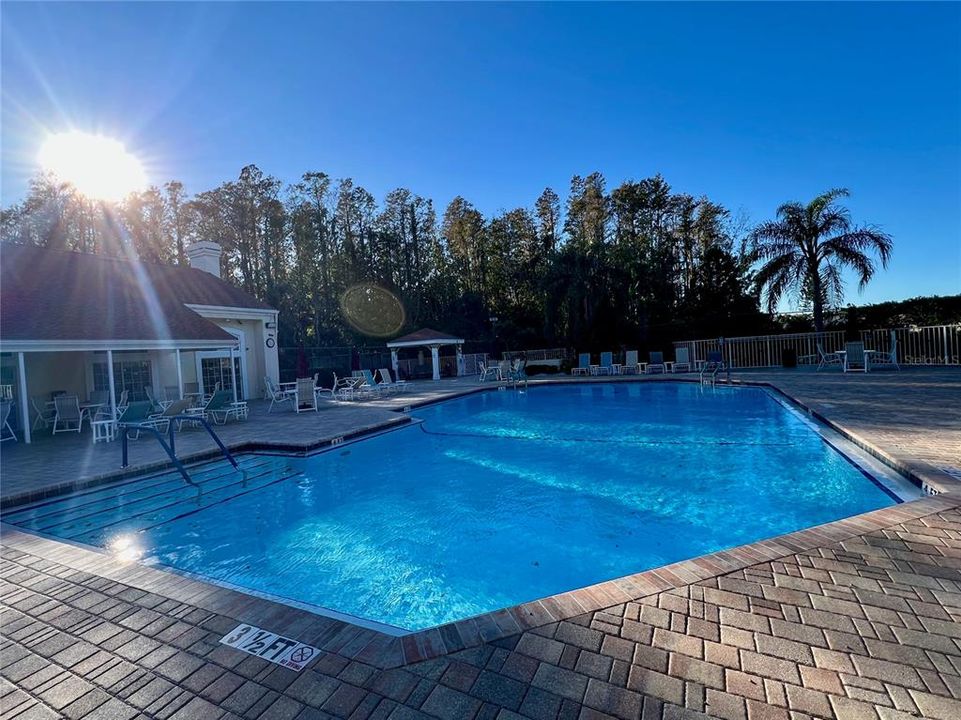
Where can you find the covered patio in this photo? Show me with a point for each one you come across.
(105, 330)
(101, 374)
(428, 338)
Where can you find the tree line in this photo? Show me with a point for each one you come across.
(637, 265)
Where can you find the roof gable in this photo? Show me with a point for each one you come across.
(48, 295)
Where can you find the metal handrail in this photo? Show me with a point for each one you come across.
(171, 448)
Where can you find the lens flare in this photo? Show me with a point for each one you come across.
(373, 310)
(98, 166)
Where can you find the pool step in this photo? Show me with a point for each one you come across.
(128, 491)
(68, 519)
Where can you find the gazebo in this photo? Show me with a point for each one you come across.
(433, 339)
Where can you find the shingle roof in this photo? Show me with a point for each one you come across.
(425, 335)
(52, 295)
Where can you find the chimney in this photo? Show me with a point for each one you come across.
(205, 255)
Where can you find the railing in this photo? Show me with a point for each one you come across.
(532, 356)
(472, 362)
(170, 448)
(930, 345)
(764, 350)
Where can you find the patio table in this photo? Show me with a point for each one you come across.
(843, 355)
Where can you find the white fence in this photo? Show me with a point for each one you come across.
(411, 368)
(930, 345)
(534, 356)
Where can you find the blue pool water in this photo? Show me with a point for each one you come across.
(494, 499)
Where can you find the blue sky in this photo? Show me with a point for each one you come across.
(750, 104)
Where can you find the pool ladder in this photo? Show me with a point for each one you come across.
(169, 445)
(709, 372)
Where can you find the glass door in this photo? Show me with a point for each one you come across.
(217, 369)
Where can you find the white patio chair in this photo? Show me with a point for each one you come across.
(278, 396)
(6, 432)
(400, 385)
(487, 372)
(856, 359)
(630, 362)
(305, 397)
(890, 357)
(682, 359)
(68, 413)
(45, 413)
(826, 359)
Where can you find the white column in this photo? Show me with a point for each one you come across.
(460, 360)
(24, 406)
(180, 376)
(233, 374)
(113, 393)
(393, 363)
(435, 360)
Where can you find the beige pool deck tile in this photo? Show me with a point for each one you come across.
(857, 618)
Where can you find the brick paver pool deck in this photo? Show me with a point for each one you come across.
(857, 619)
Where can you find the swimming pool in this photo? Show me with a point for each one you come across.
(485, 501)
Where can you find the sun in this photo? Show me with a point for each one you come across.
(98, 166)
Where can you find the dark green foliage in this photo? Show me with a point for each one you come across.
(635, 267)
(805, 249)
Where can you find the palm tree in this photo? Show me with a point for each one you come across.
(806, 247)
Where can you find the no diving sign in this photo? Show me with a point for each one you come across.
(275, 648)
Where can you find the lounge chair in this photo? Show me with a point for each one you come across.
(607, 364)
(682, 359)
(148, 391)
(68, 414)
(385, 379)
(630, 362)
(221, 407)
(655, 363)
(890, 357)
(856, 359)
(583, 365)
(6, 432)
(370, 385)
(276, 395)
(162, 420)
(134, 415)
(45, 413)
(207, 395)
(305, 395)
